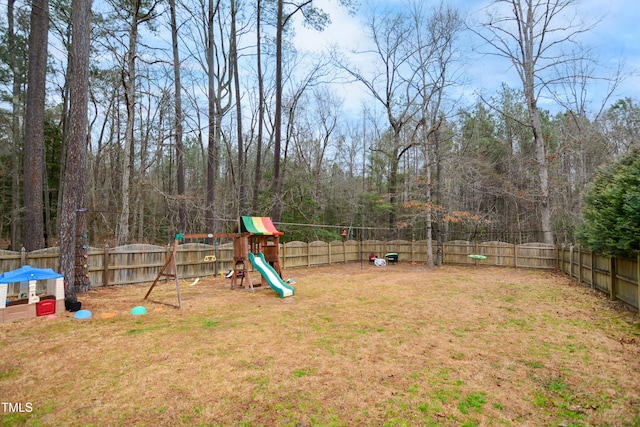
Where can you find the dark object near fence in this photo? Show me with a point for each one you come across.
(72, 306)
(392, 257)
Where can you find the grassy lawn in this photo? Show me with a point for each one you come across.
(356, 345)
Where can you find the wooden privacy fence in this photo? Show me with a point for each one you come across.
(528, 255)
(140, 263)
(615, 277)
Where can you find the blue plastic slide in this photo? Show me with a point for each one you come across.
(270, 275)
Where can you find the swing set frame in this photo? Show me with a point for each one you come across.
(170, 269)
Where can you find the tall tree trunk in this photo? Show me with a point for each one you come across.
(275, 187)
(437, 196)
(65, 136)
(394, 160)
(72, 226)
(543, 172)
(182, 211)
(236, 78)
(129, 77)
(212, 151)
(16, 130)
(258, 173)
(428, 194)
(528, 80)
(48, 227)
(128, 82)
(34, 132)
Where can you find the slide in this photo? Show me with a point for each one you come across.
(270, 275)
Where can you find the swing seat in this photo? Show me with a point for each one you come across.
(210, 258)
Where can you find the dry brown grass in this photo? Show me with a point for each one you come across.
(399, 345)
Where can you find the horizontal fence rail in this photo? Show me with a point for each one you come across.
(141, 263)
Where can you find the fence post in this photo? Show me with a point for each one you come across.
(612, 278)
(476, 250)
(561, 258)
(444, 246)
(413, 251)
(329, 251)
(580, 263)
(308, 254)
(571, 261)
(344, 252)
(638, 282)
(23, 257)
(283, 255)
(593, 270)
(105, 266)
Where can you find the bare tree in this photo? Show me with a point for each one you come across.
(621, 125)
(433, 58)
(16, 123)
(313, 133)
(138, 13)
(177, 84)
(275, 186)
(219, 74)
(240, 172)
(211, 30)
(317, 19)
(34, 132)
(533, 35)
(390, 86)
(261, 108)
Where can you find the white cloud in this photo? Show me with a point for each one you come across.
(344, 30)
(615, 37)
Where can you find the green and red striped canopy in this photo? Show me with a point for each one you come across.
(260, 225)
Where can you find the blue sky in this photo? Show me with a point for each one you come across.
(615, 38)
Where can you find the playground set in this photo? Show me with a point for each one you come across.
(255, 243)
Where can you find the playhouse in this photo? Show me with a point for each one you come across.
(29, 304)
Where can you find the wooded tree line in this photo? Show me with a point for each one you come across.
(199, 111)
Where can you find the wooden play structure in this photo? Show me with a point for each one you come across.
(255, 235)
